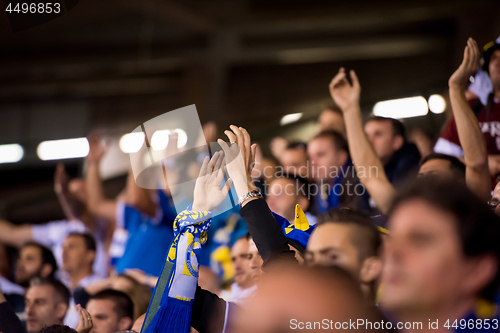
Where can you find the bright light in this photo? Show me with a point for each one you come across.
(60, 149)
(182, 137)
(11, 153)
(131, 142)
(290, 118)
(437, 104)
(401, 108)
(159, 141)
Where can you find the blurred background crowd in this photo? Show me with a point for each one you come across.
(363, 169)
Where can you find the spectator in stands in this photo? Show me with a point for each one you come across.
(34, 260)
(399, 157)
(477, 176)
(244, 277)
(47, 301)
(488, 115)
(72, 197)
(143, 228)
(13, 293)
(9, 321)
(334, 173)
(111, 311)
(331, 118)
(294, 160)
(284, 193)
(442, 255)
(79, 252)
(351, 241)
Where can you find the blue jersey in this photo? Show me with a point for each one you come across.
(143, 240)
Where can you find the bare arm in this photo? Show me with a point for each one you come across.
(368, 166)
(477, 176)
(15, 235)
(97, 203)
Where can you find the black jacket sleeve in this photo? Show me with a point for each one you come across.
(266, 231)
(9, 322)
(209, 312)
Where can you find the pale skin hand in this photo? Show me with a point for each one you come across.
(85, 321)
(207, 192)
(345, 95)
(468, 67)
(240, 159)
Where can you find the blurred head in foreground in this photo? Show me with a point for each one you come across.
(292, 297)
(442, 254)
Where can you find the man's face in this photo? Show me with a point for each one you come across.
(494, 68)
(294, 162)
(382, 138)
(42, 308)
(330, 120)
(75, 254)
(282, 197)
(29, 265)
(255, 260)
(104, 317)
(424, 266)
(331, 244)
(438, 168)
(325, 159)
(241, 262)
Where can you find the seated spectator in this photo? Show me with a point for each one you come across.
(13, 293)
(34, 260)
(284, 193)
(349, 240)
(399, 157)
(111, 311)
(334, 173)
(294, 159)
(47, 301)
(244, 277)
(442, 255)
(331, 118)
(73, 199)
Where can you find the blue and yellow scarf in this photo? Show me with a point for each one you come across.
(171, 306)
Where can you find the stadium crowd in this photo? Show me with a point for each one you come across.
(357, 229)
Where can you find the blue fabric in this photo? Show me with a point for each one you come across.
(333, 199)
(149, 239)
(300, 236)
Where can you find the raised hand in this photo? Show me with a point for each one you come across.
(343, 93)
(468, 67)
(207, 191)
(240, 158)
(96, 151)
(60, 179)
(85, 321)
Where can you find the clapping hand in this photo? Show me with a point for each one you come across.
(468, 67)
(85, 321)
(207, 191)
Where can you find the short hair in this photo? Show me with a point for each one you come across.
(88, 239)
(124, 307)
(398, 127)
(296, 145)
(367, 239)
(61, 291)
(339, 142)
(298, 181)
(47, 256)
(57, 329)
(456, 166)
(330, 105)
(477, 226)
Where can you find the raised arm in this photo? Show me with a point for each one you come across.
(15, 235)
(477, 176)
(97, 203)
(263, 227)
(346, 96)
